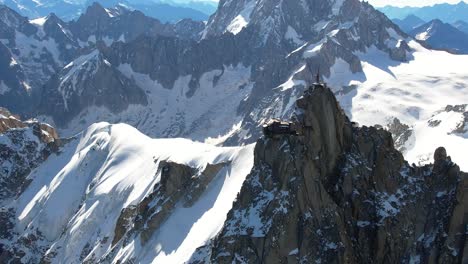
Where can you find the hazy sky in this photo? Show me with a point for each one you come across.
(410, 2)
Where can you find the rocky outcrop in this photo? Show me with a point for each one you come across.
(23, 145)
(401, 133)
(342, 194)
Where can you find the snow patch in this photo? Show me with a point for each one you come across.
(292, 35)
(242, 20)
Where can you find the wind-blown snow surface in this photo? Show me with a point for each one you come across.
(412, 92)
(76, 196)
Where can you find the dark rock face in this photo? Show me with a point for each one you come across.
(20, 71)
(342, 194)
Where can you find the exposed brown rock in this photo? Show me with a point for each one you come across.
(179, 183)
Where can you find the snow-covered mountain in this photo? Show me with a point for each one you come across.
(412, 92)
(440, 35)
(100, 67)
(32, 51)
(444, 11)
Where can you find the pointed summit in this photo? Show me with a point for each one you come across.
(94, 11)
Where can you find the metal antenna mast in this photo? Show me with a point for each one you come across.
(317, 78)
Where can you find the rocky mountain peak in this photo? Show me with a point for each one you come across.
(95, 10)
(440, 35)
(90, 80)
(53, 18)
(233, 16)
(337, 192)
(297, 21)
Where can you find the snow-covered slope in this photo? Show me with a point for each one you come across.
(76, 197)
(447, 127)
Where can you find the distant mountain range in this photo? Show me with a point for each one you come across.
(165, 11)
(207, 7)
(440, 35)
(409, 23)
(437, 34)
(445, 12)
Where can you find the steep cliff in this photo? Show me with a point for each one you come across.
(338, 193)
